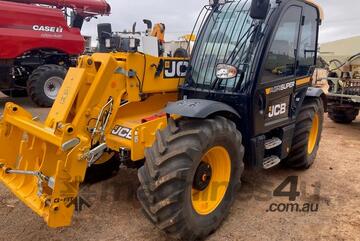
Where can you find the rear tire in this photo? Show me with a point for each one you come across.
(181, 53)
(345, 116)
(307, 135)
(168, 193)
(44, 84)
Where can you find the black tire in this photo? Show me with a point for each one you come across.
(299, 156)
(37, 80)
(181, 53)
(100, 172)
(15, 93)
(343, 116)
(167, 176)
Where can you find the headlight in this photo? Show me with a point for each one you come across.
(226, 71)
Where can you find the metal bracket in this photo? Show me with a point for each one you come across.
(41, 178)
(94, 154)
(130, 74)
(98, 128)
(70, 144)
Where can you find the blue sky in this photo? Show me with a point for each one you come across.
(342, 18)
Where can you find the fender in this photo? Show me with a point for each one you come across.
(314, 92)
(317, 93)
(198, 108)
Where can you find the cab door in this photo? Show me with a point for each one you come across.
(275, 90)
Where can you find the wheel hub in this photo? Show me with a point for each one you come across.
(202, 176)
(52, 87)
(211, 180)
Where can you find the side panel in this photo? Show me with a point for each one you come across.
(284, 71)
(274, 96)
(136, 124)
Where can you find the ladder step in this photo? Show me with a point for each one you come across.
(271, 161)
(272, 143)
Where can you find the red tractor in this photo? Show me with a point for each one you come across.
(40, 40)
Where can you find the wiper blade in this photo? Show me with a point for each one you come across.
(240, 42)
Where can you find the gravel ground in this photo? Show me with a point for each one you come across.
(333, 183)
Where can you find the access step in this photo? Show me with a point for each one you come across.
(271, 161)
(272, 143)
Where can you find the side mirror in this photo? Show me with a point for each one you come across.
(259, 9)
(104, 36)
(148, 24)
(134, 28)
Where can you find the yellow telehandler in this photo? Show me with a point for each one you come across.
(196, 122)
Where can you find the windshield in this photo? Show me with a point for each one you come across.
(224, 38)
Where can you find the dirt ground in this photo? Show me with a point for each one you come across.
(114, 213)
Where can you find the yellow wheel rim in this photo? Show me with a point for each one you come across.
(207, 200)
(313, 136)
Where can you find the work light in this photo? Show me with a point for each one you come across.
(226, 71)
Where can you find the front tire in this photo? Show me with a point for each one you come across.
(44, 84)
(191, 175)
(307, 135)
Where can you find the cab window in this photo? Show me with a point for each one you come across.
(280, 62)
(307, 45)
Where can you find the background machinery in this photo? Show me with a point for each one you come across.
(40, 40)
(151, 41)
(344, 89)
(193, 124)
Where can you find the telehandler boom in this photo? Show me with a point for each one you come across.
(243, 98)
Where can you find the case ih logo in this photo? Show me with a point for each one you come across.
(50, 29)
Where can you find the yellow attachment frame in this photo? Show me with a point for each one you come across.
(43, 164)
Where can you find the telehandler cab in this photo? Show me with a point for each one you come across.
(243, 98)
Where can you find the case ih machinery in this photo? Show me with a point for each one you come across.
(193, 124)
(344, 91)
(38, 45)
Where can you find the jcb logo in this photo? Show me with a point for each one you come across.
(175, 68)
(277, 110)
(122, 132)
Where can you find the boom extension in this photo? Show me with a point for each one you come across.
(44, 163)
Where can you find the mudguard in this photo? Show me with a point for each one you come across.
(319, 93)
(198, 108)
(314, 92)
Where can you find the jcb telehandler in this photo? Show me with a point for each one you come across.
(244, 97)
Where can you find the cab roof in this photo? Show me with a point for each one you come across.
(315, 4)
